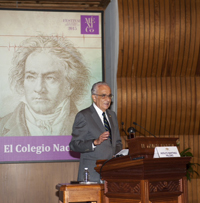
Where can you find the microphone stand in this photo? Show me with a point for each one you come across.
(124, 131)
(143, 129)
(131, 133)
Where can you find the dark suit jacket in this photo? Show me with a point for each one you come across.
(87, 127)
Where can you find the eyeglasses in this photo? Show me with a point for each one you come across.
(103, 96)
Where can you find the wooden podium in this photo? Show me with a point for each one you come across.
(140, 178)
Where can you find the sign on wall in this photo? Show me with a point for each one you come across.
(49, 61)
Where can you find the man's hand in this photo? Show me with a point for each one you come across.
(102, 137)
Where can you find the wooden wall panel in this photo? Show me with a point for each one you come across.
(135, 37)
(130, 44)
(163, 78)
(170, 103)
(151, 37)
(34, 182)
(174, 30)
(193, 27)
(149, 103)
(128, 113)
(146, 35)
(165, 37)
(164, 108)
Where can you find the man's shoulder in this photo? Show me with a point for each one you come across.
(85, 113)
(86, 110)
(109, 111)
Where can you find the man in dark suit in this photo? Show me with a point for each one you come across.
(90, 137)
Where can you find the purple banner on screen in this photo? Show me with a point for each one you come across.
(89, 24)
(36, 148)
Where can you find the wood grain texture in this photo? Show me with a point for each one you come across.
(167, 91)
(161, 37)
(163, 80)
(34, 182)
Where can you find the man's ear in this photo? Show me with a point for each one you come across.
(93, 98)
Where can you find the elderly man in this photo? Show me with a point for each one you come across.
(95, 132)
(51, 74)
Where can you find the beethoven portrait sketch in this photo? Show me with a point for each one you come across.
(51, 75)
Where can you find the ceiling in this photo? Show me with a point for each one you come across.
(56, 4)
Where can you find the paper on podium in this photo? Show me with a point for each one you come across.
(123, 152)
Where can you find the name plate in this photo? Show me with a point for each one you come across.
(166, 152)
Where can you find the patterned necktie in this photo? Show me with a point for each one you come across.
(107, 126)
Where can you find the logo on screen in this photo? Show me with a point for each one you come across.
(89, 24)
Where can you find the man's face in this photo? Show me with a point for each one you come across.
(102, 103)
(45, 85)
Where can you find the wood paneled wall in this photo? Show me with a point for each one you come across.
(158, 38)
(158, 75)
(162, 105)
(34, 182)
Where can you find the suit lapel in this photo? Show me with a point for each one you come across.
(111, 125)
(110, 120)
(96, 119)
(99, 123)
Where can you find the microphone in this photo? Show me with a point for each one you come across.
(134, 123)
(131, 131)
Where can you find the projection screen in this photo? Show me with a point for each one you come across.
(49, 61)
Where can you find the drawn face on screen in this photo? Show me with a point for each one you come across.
(45, 84)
